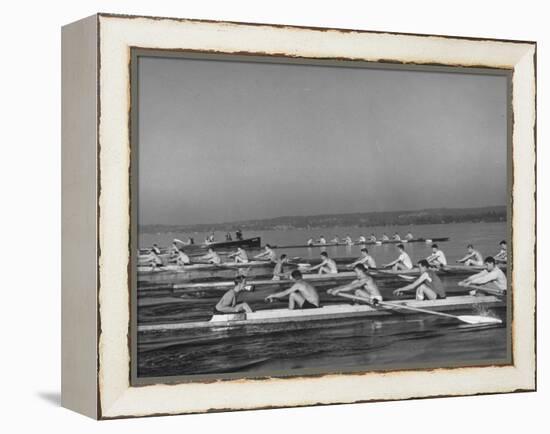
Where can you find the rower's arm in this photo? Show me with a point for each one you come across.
(412, 286)
(465, 258)
(393, 262)
(482, 278)
(284, 293)
(316, 266)
(356, 284)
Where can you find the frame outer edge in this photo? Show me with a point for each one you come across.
(79, 319)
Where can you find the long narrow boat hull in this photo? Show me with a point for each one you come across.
(341, 277)
(367, 243)
(329, 312)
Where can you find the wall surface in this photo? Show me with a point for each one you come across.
(30, 175)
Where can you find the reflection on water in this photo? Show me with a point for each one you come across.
(399, 341)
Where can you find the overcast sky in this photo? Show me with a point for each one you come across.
(223, 141)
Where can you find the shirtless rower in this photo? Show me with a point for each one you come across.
(240, 256)
(348, 241)
(428, 285)
(211, 257)
(278, 270)
(492, 278)
(409, 236)
(322, 240)
(267, 254)
(437, 258)
(372, 238)
(385, 237)
(228, 303)
(403, 261)
(396, 237)
(502, 256)
(364, 286)
(301, 295)
(310, 242)
(472, 258)
(361, 239)
(182, 258)
(327, 265)
(153, 258)
(156, 249)
(335, 240)
(366, 260)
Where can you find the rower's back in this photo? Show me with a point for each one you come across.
(436, 284)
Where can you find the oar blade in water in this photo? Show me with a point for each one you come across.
(477, 319)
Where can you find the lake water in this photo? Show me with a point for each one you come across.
(344, 345)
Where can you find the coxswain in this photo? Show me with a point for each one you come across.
(502, 256)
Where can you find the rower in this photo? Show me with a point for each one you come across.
(301, 295)
(472, 258)
(366, 260)
(153, 259)
(396, 237)
(385, 237)
(492, 278)
(239, 235)
(361, 239)
(335, 240)
(322, 240)
(228, 303)
(403, 261)
(182, 258)
(437, 258)
(240, 256)
(156, 249)
(409, 236)
(428, 285)
(364, 286)
(278, 271)
(372, 238)
(267, 254)
(174, 250)
(348, 241)
(310, 242)
(211, 257)
(502, 256)
(327, 265)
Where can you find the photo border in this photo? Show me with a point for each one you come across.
(139, 52)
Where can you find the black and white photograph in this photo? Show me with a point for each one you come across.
(296, 218)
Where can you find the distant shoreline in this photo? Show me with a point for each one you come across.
(389, 218)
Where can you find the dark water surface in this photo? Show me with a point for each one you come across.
(399, 341)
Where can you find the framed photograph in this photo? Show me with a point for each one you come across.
(262, 216)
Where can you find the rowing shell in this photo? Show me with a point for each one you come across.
(329, 312)
(366, 243)
(318, 278)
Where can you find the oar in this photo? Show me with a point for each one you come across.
(469, 319)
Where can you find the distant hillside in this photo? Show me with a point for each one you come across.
(390, 218)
